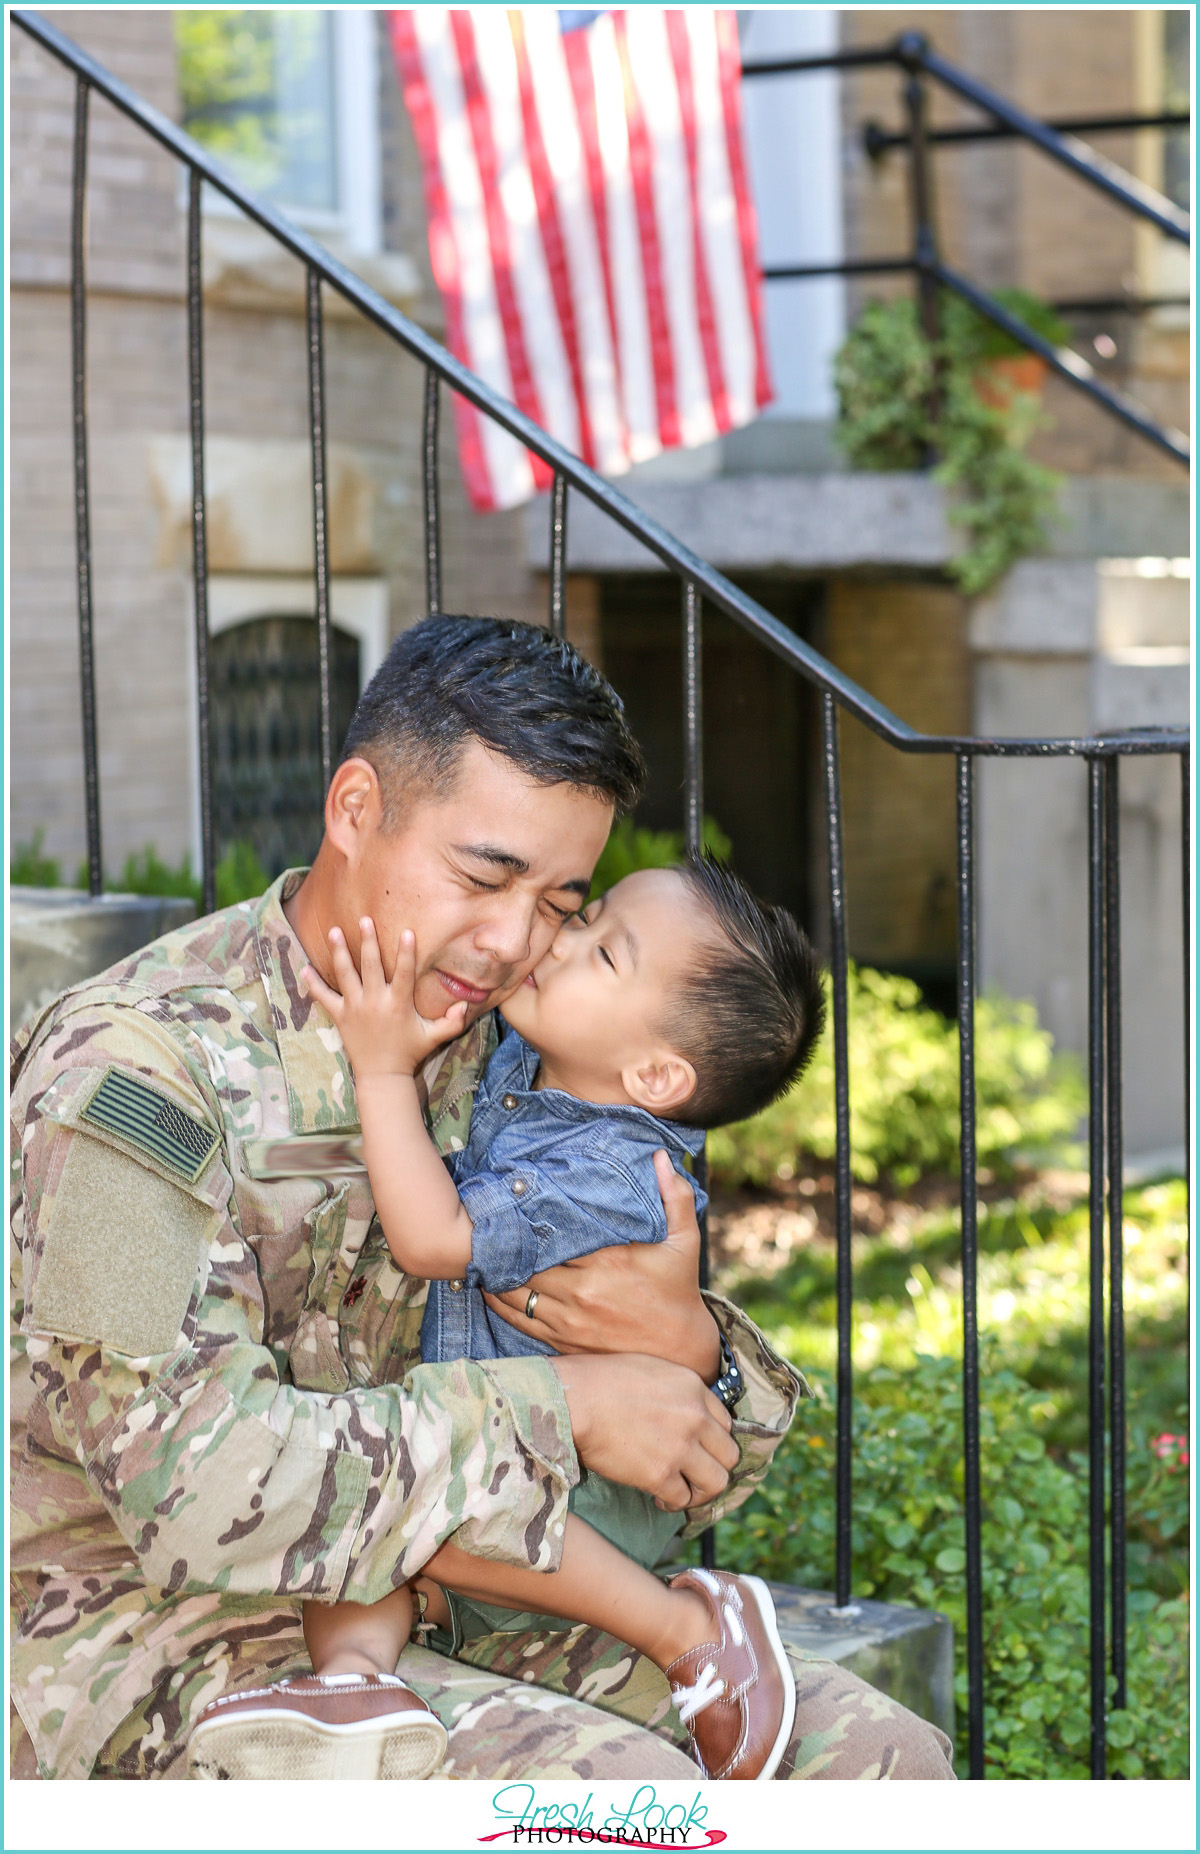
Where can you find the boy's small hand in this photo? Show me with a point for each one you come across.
(382, 1029)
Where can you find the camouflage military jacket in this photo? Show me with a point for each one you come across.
(217, 1386)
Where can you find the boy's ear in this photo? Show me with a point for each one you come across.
(660, 1083)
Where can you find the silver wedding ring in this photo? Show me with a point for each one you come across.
(530, 1304)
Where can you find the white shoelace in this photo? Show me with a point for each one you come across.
(691, 1700)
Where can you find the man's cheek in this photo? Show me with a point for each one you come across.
(502, 993)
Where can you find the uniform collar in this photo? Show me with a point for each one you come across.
(320, 1084)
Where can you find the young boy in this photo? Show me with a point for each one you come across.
(674, 1003)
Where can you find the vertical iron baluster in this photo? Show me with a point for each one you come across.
(83, 539)
(1116, 1255)
(693, 797)
(925, 247)
(1185, 800)
(970, 1256)
(841, 1066)
(316, 410)
(693, 826)
(433, 518)
(208, 874)
(693, 743)
(1096, 1451)
(558, 557)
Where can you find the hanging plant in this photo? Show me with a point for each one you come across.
(987, 408)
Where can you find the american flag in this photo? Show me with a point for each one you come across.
(591, 227)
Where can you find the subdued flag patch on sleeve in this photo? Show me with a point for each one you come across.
(148, 1119)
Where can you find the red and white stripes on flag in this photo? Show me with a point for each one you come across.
(590, 226)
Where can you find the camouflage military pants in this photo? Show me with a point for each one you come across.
(570, 1704)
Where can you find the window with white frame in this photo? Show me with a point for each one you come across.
(287, 99)
(1163, 66)
(1177, 95)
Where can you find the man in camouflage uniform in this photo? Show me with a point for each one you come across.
(218, 1402)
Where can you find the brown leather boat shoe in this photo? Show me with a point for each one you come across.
(735, 1694)
(318, 1726)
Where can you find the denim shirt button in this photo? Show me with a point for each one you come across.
(519, 1187)
(509, 1101)
(456, 1287)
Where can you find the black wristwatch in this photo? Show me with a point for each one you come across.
(730, 1384)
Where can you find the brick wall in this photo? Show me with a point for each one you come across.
(904, 642)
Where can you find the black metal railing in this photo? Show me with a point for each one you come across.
(917, 62)
(700, 582)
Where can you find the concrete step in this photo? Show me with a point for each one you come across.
(58, 936)
(1125, 620)
(906, 1653)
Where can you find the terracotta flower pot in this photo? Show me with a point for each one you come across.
(998, 381)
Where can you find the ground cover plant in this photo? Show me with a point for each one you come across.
(774, 1252)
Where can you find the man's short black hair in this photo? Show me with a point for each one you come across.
(750, 1011)
(514, 687)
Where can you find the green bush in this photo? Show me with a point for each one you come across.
(908, 1548)
(28, 868)
(629, 847)
(147, 874)
(239, 874)
(904, 1093)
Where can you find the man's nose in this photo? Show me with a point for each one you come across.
(508, 935)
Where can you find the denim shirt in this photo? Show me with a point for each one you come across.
(544, 1177)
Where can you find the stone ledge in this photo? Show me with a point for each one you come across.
(61, 936)
(766, 523)
(907, 1653)
(841, 521)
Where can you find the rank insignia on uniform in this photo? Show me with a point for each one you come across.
(125, 1105)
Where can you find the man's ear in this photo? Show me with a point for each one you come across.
(353, 807)
(660, 1083)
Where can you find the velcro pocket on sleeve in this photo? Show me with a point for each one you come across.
(121, 1253)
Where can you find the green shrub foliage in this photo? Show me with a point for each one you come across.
(908, 1548)
(904, 1093)
(29, 867)
(239, 874)
(631, 847)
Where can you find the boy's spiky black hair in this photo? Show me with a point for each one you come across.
(751, 1009)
